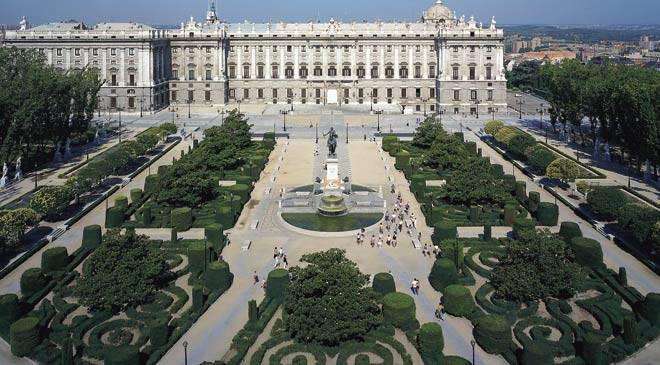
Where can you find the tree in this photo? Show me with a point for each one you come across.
(186, 185)
(327, 301)
(51, 201)
(540, 157)
(472, 183)
(493, 127)
(606, 201)
(536, 266)
(446, 153)
(638, 219)
(427, 132)
(563, 169)
(655, 236)
(13, 225)
(520, 143)
(122, 273)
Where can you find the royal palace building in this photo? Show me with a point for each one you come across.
(439, 64)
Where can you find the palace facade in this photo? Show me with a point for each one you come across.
(440, 63)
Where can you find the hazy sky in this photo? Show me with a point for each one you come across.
(176, 11)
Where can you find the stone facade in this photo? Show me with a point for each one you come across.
(441, 63)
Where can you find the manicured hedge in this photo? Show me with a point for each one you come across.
(649, 308)
(136, 195)
(457, 300)
(510, 183)
(534, 201)
(569, 230)
(493, 333)
(417, 184)
(92, 236)
(521, 190)
(383, 283)
(24, 336)
(181, 219)
(509, 214)
(444, 230)
(402, 160)
(522, 225)
(475, 214)
(121, 202)
(10, 309)
(215, 235)
(497, 171)
(430, 343)
(241, 190)
(159, 331)
(217, 276)
(146, 216)
(592, 349)
(548, 214)
(114, 217)
(454, 360)
(198, 257)
(587, 252)
(606, 201)
(488, 232)
(276, 284)
(197, 298)
(32, 281)
(536, 353)
(443, 274)
(151, 184)
(125, 355)
(54, 259)
(388, 142)
(399, 309)
(224, 216)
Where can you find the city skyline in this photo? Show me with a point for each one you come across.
(172, 12)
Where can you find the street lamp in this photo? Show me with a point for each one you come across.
(425, 101)
(189, 102)
(141, 107)
(541, 111)
(317, 132)
(284, 113)
(371, 100)
(98, 101)
(239, 105)
(477, 102)
(185, 352)
(293, 99)
(520, 103)
(347, 133)
(222, 117)
(473, 345)
(494, 110)
(378, 113)
(119, 110)
(173, 114)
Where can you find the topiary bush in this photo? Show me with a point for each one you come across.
(497, 171)
(24, 336)
(521, 190)
(630, 333)
(523, 226)
(114, 217)
(457, 300)
(402, 160)
(54, 259)
(215, 235)
(475, 214)
(493, 333)
(383, 283)
(509, 183)
(453, 250)
(399, 309)
(217, 276)
(540, 157)
(242, 191)
(430, 343)
(488, 232)
(443, 274)
(181, 219)
(548, 214)
(276, 284)
(92, 236)
(136, 195)
(159, 331)
(32, 281)
(591, 349)
(649, 308)
(534, 201)
(454, 360)
(587, 252)
(10, 309)
(198, 257)
(124, 355)
(197, 298)
(537, 353)
(509, 214)
(493, 127)
(606, 201)
(569, 230)
(444, 230)
(224, 216)
(151, 184)
(146, 216)
(121, 202)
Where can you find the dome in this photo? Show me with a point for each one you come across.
(438, 12)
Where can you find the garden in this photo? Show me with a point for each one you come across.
(471, 190)
(206, 186)
(366, 324)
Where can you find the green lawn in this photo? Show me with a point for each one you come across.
(315, 222)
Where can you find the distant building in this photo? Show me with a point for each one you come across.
(518, 45)
(535, 43)
(546, 56)
(645, 42)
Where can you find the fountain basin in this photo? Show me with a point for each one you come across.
(332, 205)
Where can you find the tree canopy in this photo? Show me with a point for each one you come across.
(427, 131)
(327, 302)
(122, 273)
(473, 183)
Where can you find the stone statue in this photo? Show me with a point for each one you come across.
(58, 154)
(67, 149)
(332, 141)
(19, 173)
(3, 180)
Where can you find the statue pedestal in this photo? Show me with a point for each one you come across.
(332, 172)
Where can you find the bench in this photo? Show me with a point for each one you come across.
(254, 224)
(246, 245)
(416, 244)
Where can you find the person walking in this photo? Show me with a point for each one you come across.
(285, 261)
(277, 262)
(281, 251)
(414, 286)
(275, 253)
(256, 278)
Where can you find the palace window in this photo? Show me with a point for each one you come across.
(246, 71)
(191, 75)
(232, 71)
(473, 73)
(207, 95)
(490, 95)
(403, 72)
(457, 95)
(113, 52)
(318, 71)
(260, 93)
(175, 74)
(489, 73)
(374, 72)
(288, 72)
(173, 95)
(260, 48)
(332, 71)
(403, 49)
(455, 49)
(131, 80)
(389, 72)
(318, 93)
(418, 71)
(275, 72)
(360, 72)
(432, 71)
(374, 93)
(191, 96)
(232, 93)
(454, 75)
(404, 93)
(77, 51)
(346, 71)
(131, 102)
(274, 93)
(95, 52)
(432, 92)
(473, 94)
(260, 71)
(418, 48)
(209, 75)
(113, 80)
(274, 49)
(303, 72)
(389, 93)
(418, 92)
(246, 49)
(131, 51)
(246, 94)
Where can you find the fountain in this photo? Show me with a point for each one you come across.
(332, 205)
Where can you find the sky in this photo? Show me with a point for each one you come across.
(176, 11)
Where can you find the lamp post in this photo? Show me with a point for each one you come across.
(173, 114)
(141, 107)
(36, 176)
(119, 110)
(378, 113)
(293, 99)
(317, 132)
(541, 111)
(346, 133)
(425, 101)
(494, 110)
(189, 102)
(239, 105)
(371, 101)
(284, 113)
(473, 345)
(222, 117)
(440, 113)
(98, 101)
(477, 102)
(185, 352)
(520, 103)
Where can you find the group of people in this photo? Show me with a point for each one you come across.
(280, 258)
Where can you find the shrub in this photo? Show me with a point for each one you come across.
(497, 171)
(24, 336)
(606, 201)
(92, 236)
(443, 274)
(587, 252)
(535, 353)
(509, 214)
(151, 184)
(475, 214)
(54, 259)
(509, 183)
(32, 281)
(638, 220)
(563, 169)
(198, 257)
(591, 349)
(13, 225)
(522, 226)
(505, 134)
(146, 216)
(402, 160)
(121, 202)
(569, 230)
(488, 232)
(417, 184)
(458, 300)
(114, 217)
(136, 195)
(125, 355)
(649, 308)
(519, 143)
(493, 127)
(181, 219)
(224, 216)
(159, 331)
(454, 360)
(51, 201)
(214, 234)
(241, 190)
(217, 276)
(540, 157)
(399, 309)
(453, 250)
(253, 311)
(630, 334)
(10, 309)
(444, 230)
(276, 284)
(622, 277)
(493, 333)
(197, 298)
(430, 343)
(521, 190)
(534, 201)
(388, 141)
(548, 214)
(383, 283)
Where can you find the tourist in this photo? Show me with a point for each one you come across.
(414, 286)
(380, 243)
(373, 240)
(277, 262)
(263, 284)
(439, 312)
(256, 278)
(281, 251)
(275, 253)
(285, 261)
(380, 228)
(358, 239)
(389, 240)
